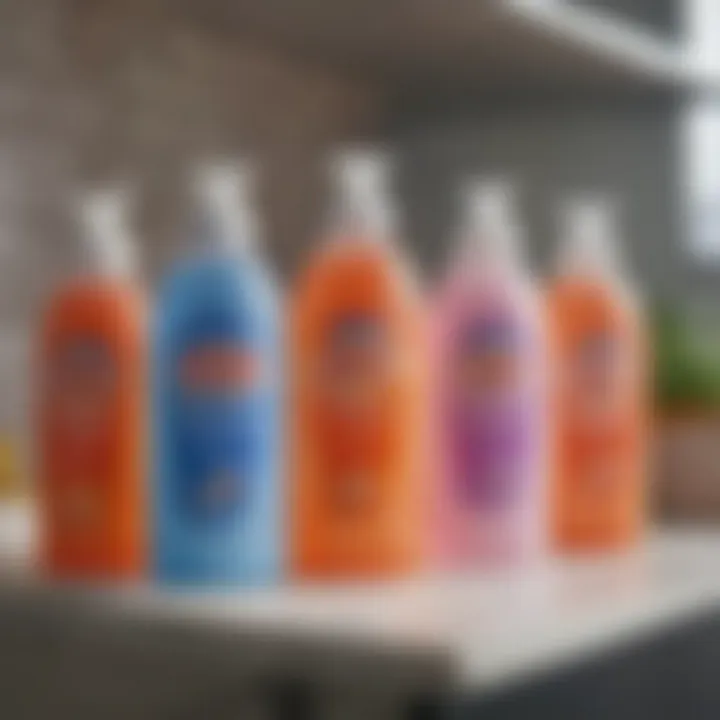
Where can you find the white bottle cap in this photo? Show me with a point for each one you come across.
(491, 234)
(224, 192)
(589, 235)
(362, 207)
(107, 239)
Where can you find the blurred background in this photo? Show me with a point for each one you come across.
(616, 96)
(619, 96)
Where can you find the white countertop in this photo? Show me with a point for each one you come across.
(477, 631)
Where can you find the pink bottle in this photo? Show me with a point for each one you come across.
(490, 392)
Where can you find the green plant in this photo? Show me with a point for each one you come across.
(687, 363)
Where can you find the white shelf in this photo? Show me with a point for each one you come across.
(479, 45)
(475, 632)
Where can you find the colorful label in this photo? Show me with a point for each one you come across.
(596, 379)
(216, 424)
(597, 391)
(353, 381)
(82, 396)
(490, 421)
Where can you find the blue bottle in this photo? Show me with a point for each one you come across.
(217, 376)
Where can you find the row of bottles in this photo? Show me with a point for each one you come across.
(356, 435)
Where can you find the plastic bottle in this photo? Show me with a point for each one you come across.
(600, 404)
(358, 392)
(92, 393)
(217, 400)
(491, 392)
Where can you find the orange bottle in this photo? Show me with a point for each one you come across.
(598, 498)
(91, 413)
(357, 496)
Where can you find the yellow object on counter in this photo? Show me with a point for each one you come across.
(11, 484)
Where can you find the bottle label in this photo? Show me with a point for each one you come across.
(597, 392)
(82, 397)
(217, 422)
(490, 423)
(355, 370)
(596, 381)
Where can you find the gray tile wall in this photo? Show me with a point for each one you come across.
(630, 152)
(96, 90)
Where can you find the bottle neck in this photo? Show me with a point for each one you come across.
(362, 208)
(591, 247)
(490, 238)
(217, 233)
(225, 221)
(109, 249)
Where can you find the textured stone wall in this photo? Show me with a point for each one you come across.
(98, 90)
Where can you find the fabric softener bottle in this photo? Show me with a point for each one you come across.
(358, 392)
(490, 392)
(92, 391)
(217, 397)
(600, 393)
